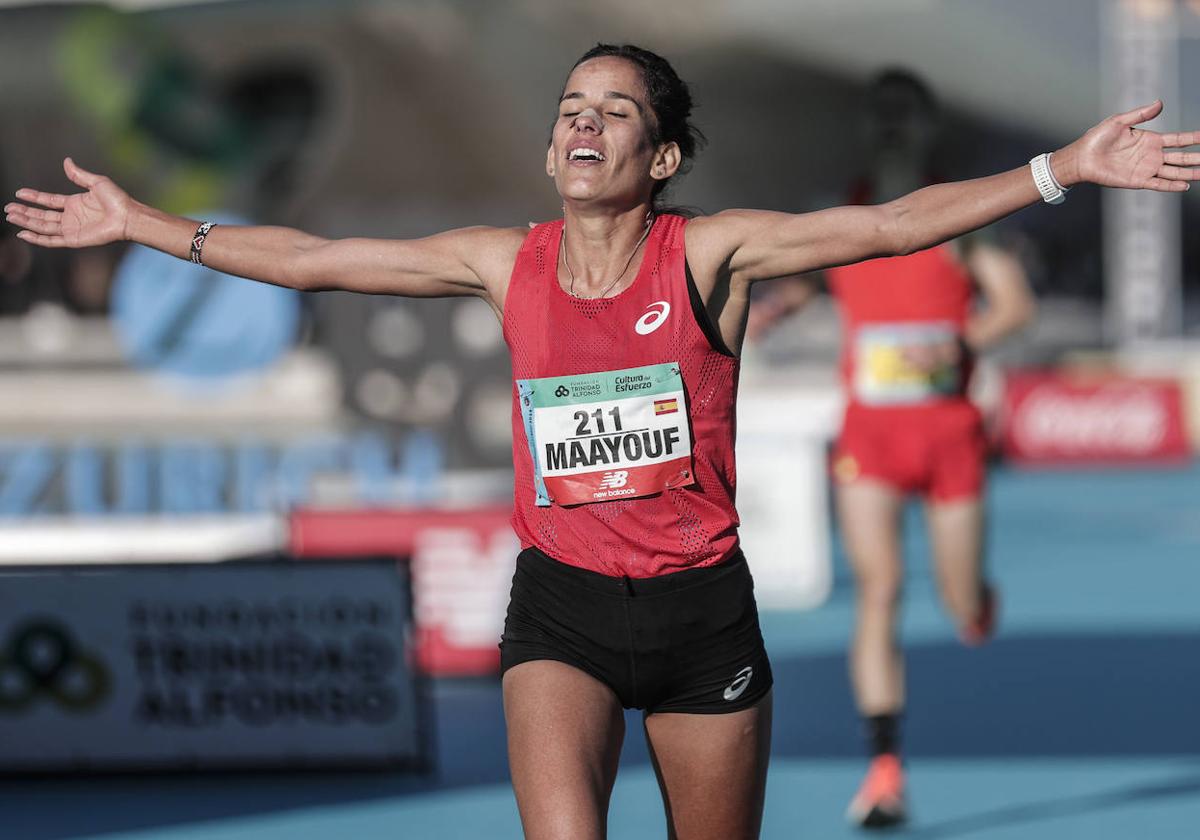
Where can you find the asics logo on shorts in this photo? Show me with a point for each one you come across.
(616, 478)
(735, 688)
(653, 319)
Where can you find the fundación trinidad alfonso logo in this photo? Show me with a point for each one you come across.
(40, 660)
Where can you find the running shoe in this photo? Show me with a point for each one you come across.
(879, 803)
(983, 627)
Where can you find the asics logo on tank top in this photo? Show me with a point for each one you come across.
(735, 689)
(653, 319)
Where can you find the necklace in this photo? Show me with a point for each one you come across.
(563, 251)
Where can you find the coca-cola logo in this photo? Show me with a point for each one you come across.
(1118, 421)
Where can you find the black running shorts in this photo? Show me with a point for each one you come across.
(683, 642)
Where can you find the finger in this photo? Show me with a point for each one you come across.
(43, 198)
(1163, 185)
(79, 175)
(35, 225)
(41, 239)
(1178, 173)
(1182, 158)
(1178, 139)
(1141, 113)
(34, 212)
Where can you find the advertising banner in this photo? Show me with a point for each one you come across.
(233, 664)
(462, 563)
(1053, 418)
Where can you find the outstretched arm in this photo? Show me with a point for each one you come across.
(752, 245)
(469, 261)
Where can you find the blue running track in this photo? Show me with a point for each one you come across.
(1081, 720)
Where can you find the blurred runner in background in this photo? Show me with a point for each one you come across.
(910, 334)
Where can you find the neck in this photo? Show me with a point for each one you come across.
(600, 250)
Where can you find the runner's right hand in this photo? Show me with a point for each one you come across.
(95, 217)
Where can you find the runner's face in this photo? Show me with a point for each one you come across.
(600, 148)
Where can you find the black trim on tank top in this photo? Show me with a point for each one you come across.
(701, 315)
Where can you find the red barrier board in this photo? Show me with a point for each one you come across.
(462, 565)
(1051, 418)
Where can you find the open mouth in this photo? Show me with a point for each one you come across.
(584, 155)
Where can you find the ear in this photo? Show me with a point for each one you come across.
(665, 162)
(550, 160)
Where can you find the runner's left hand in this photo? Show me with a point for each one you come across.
(1116, 153)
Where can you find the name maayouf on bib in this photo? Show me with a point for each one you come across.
(606, 435)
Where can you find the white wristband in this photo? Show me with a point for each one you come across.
(1052, 191)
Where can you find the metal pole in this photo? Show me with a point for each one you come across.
(1142, 252)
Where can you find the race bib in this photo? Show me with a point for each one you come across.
(619, 434)
(884, 373)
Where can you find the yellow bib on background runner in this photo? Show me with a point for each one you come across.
(884, 376)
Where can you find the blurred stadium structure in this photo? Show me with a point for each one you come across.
(153, 412)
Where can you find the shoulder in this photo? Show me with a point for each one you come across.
(729, 228)
(489, 241)
(486, 254)
(725, 223)
(712, 241)
(491, 252)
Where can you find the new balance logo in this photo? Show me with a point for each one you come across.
(735, 688)
(616, 478)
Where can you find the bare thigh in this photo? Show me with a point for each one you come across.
(956, 531)
(712, 770)
(565, 730)
(869, 518)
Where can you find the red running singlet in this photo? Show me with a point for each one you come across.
(623, 415)
(894, 302)
(909, 428)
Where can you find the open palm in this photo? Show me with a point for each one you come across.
(1115, 153)
(94, 217)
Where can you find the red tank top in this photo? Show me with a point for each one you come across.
(602, 385)
(894, 302)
